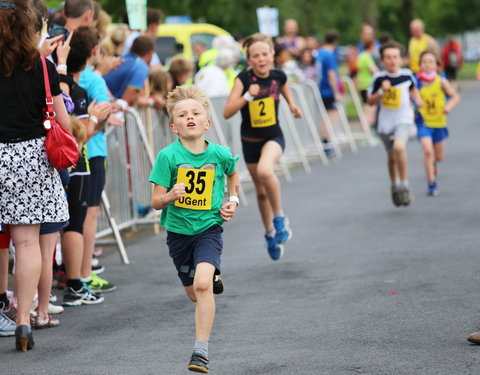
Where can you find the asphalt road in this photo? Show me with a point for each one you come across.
(364, 287)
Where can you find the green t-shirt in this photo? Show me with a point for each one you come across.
(204, 178)
(365, 75)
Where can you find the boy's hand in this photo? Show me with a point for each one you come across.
(228, 210)
(386, 85)
(254, 89)
(297, 113)
(177, 191)
(419, 102)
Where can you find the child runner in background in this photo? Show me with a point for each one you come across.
(256, 93)
(189, 178)
(431, 119)
(392, 88)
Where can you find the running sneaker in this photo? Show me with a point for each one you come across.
(217, 284)
(405, 195)
(98, 269)
(275, 250)
(53, 298)
(84, 296)
(282, 230)
(10, 312)
(54, 309)
(397, 200)
(99, 285)
(432, 189)
(198, 363)
(7, 326)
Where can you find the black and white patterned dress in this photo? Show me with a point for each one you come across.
(31, 191)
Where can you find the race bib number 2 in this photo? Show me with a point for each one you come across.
(198, 188)
(262, 112)
(391, 98)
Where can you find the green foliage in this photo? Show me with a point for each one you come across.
(317, 16)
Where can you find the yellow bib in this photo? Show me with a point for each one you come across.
(262, 112)
(198, 188)
(434, 101)
(391, 98)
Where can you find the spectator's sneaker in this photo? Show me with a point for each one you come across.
(10, 313)
(54, 309)
(282, 231)
(396, 198)
(99, 285)
(329, 152)
(405, 195)
(275, 250)
(198, 363)
(432, 189)
(217, 284)
(84, 296)
(7, 327)
(98, 269)
(53, 298)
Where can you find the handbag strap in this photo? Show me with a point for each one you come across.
(48, 94)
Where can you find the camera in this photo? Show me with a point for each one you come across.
(56, 30)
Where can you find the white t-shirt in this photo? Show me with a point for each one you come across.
(212, 81)
(395, 105)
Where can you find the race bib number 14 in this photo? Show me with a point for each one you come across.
(262, 112)
(198, 188)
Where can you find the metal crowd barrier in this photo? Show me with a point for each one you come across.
(132, 149)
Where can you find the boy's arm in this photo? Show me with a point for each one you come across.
(454, 97)
(287, 94)
(233, 185)
(415, 95)
(161, 198)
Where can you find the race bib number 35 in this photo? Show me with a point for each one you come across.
(198, 188)
(391, 98)
(262, 112)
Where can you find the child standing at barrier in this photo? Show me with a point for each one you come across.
(189, 178)
(432, 118)
(256, 93)
(393, 88)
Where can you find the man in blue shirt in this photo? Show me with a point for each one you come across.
(128, 79)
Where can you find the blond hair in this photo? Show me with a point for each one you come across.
(257, 37)
(181, 93)
(79, 131)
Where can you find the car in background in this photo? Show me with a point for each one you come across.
(171, 36)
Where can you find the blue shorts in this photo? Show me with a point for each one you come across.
(436, 134)
(253, 150)
(48, 228)
(188, 251)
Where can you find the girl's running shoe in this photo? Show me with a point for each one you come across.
(275, 250)
(198, 363)
(432, 189)
(282, 231)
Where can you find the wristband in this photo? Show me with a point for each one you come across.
(94, 119)
(123, 104)
(61, 67)
(380, 92)
(234, 198)
(248, 97)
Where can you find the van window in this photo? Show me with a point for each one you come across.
(165, 47)
(204, 38)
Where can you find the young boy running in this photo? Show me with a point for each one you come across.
(432, 118)
(392, 88)
(256, 94)
(189, 184)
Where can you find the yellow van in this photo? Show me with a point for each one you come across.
(187, 34)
